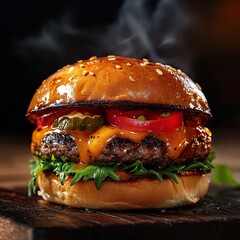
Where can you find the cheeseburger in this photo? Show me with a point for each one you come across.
(120, 133)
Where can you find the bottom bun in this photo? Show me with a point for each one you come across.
(138, 194)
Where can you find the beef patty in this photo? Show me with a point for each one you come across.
(150, 150)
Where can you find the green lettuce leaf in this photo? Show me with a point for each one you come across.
(223, 175)
(63, 168)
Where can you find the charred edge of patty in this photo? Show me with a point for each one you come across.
(58, 144)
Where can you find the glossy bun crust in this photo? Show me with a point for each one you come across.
(138, 194)
(118, 80)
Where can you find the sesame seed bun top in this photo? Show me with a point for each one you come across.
(116, 80)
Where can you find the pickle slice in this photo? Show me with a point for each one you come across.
(78, 121)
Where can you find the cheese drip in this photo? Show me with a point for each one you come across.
(175, 141)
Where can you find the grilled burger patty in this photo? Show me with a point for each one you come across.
(150, 150)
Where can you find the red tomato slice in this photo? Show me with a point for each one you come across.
(48, 118)
(154, 120)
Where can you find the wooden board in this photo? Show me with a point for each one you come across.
(217, 216)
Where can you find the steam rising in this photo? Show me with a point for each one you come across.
(157, 31)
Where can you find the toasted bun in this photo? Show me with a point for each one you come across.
(138, 194)
(118, 81)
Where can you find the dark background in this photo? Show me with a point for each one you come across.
(200, 37)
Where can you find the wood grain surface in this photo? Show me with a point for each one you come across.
(217, 216)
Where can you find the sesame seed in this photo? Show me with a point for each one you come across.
(111, 58)
(179, 71)
(97, 61)
(170, 68)
(159, 64)
(93, 58)
(92, 73)
(129, 64)
(70, 69)
(132, 79)
(159, 71)
(144, 64)
(198, 86)
(85, 73)
(145, 60)
(79, 61)
(88, 63)
(81, 65)
(118, 66)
